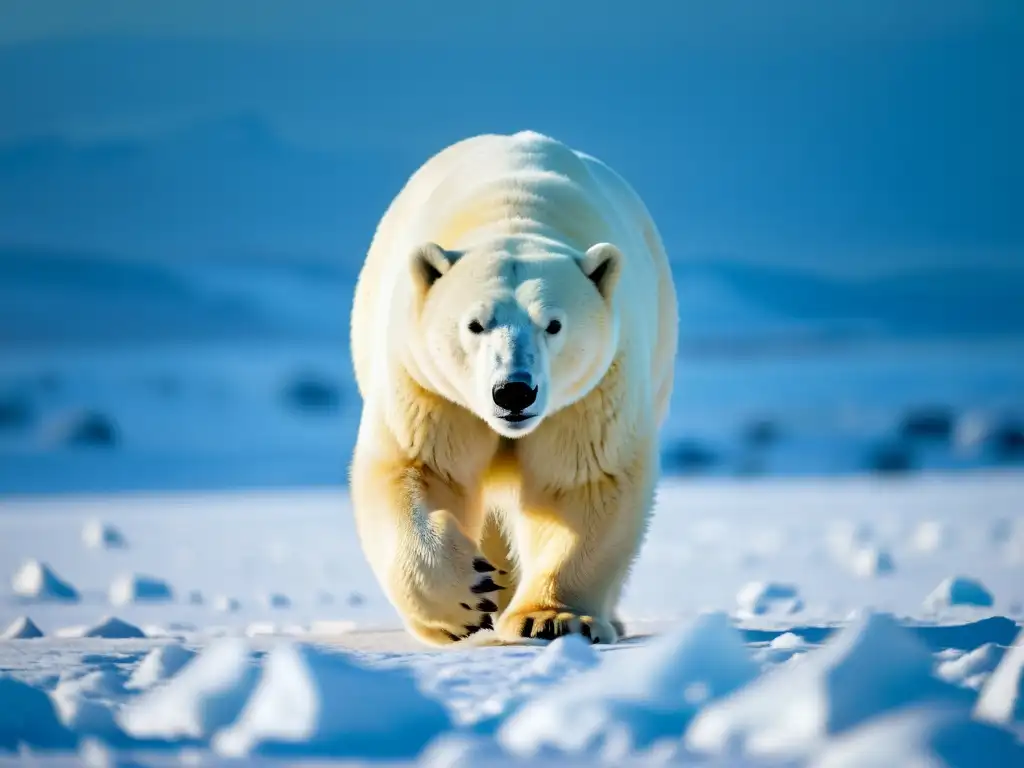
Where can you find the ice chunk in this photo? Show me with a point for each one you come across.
(760, 597)
(37, 581)
(225, 604)
(310, 701)
(277, 600)
(22, 628)
(1002, 698)
(638, 695)
(99, 535)
(139, 588)
(113, 628)
(788, 641)
(565, 654)
(936, 736)
(101, 682)
(958, 590)
(868, 562)
(981, 660)
(871, 667)
(159, 664)
(85, 703)
(206, 695)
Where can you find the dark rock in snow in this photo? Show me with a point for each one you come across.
(933, 423)
(84, 429)
(761, 433)
(313, 393)
(891, 458)
(1007, 442)
(688, 457)
(16, 412)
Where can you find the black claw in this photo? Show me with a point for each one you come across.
(471, 630)
(527, 629)
(487, 585)
(487, 606)
(453, 638)
(548, 631)
(585, 631)
(466, 606)
(487, 622)
(482, 566)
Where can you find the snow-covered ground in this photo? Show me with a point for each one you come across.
(835, 622)
(285, 413)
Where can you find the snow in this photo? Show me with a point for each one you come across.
(312, 701)
(22, 628)
(787, 641)
(136, 587)
(206, 695)
(971, 668)
(37, 581)
(564, 654)
(158, 665)
(639, 697)
(85, 704)
(958, 590)
(175, 369)
(705, 676)
(922, 737)
(1002, 698)
(873, 666)
(28, 716)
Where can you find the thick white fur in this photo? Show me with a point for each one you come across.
(509, 228)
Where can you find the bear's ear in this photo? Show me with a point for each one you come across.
(429, 261)
(602, 263)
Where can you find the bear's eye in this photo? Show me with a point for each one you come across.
(554, 327)
(475, 327)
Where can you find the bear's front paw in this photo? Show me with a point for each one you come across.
(449, 586)
(548, 623)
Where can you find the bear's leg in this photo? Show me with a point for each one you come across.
(419, 533)
(498, 550)
(575, 549)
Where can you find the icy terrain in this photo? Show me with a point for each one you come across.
(223, 625)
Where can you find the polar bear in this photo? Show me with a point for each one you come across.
(513, 334)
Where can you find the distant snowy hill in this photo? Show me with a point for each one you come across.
(216, 189)
(51, 297)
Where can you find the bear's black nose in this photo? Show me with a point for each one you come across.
(514, 396)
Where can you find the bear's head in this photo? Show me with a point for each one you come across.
(513, 334)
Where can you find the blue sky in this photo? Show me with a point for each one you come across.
(846, 135)
(572, 23)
